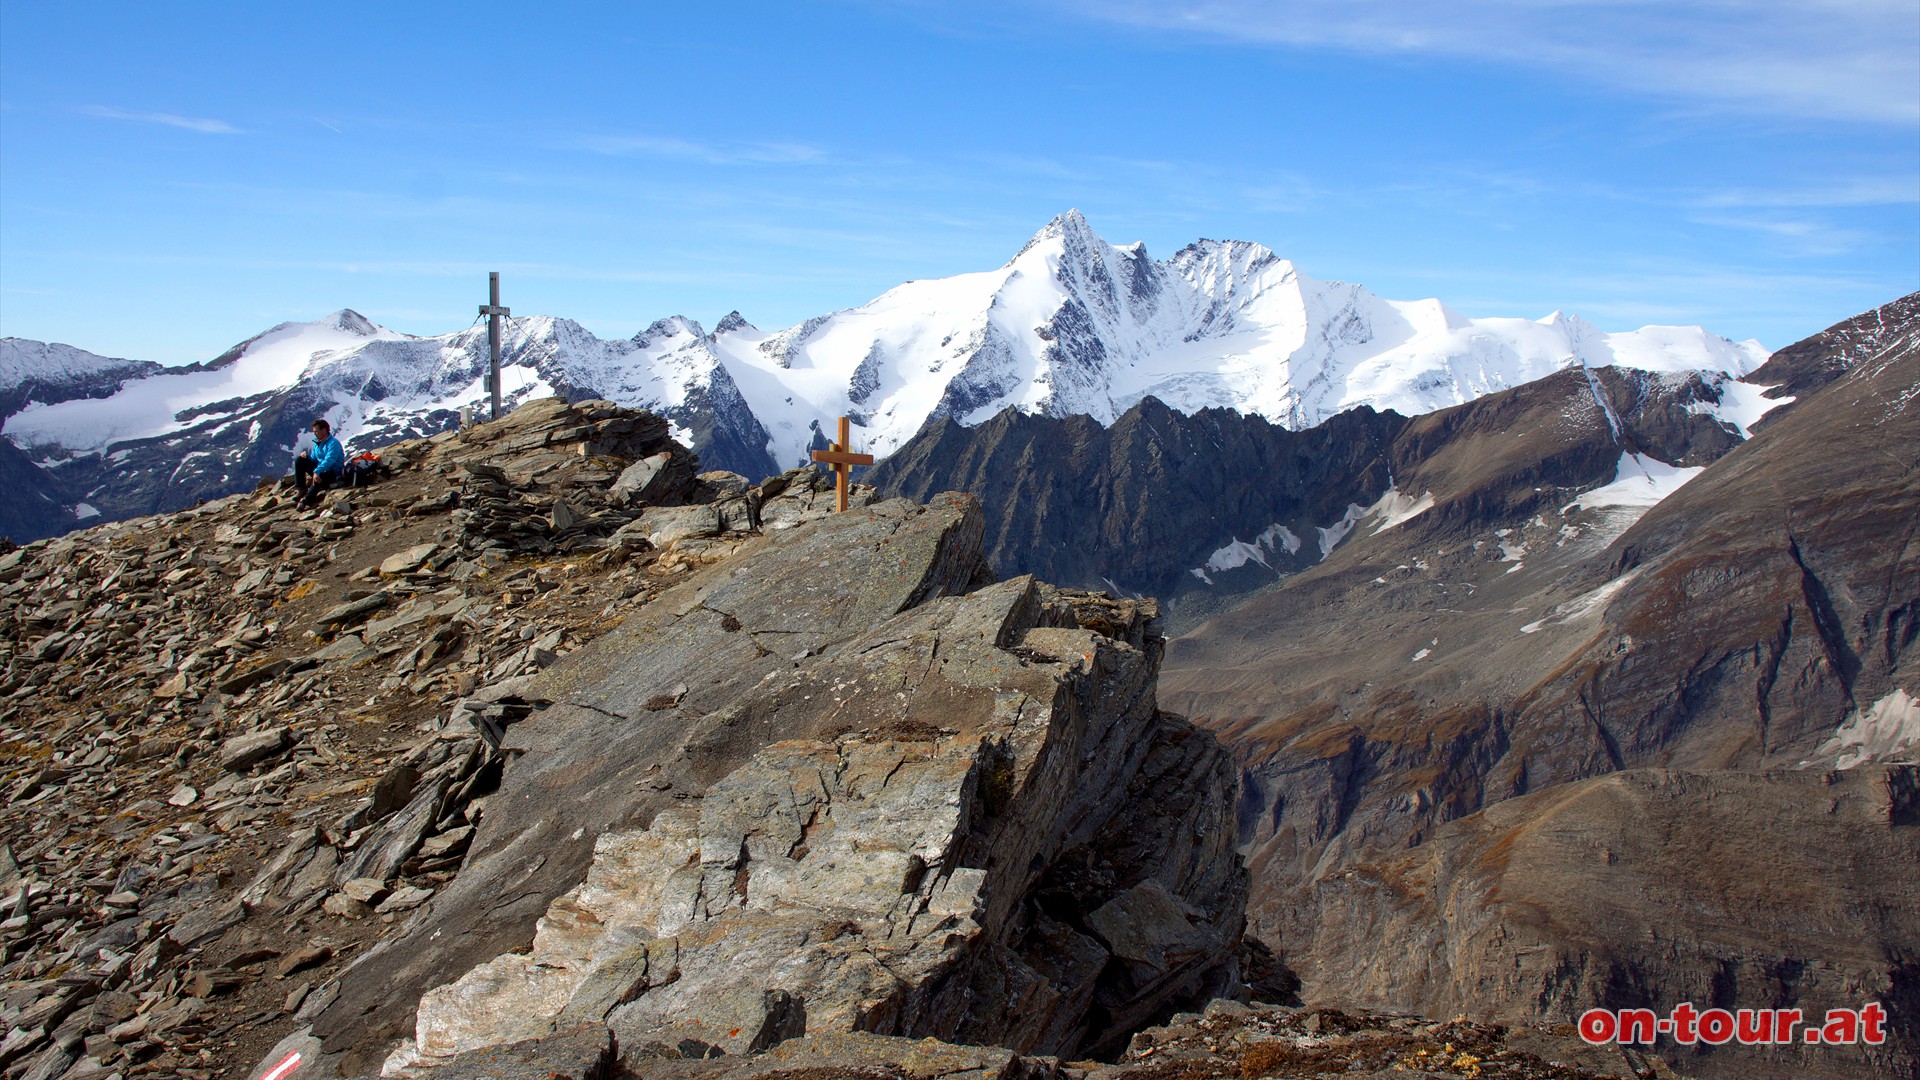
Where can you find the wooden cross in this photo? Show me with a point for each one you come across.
(838, 458)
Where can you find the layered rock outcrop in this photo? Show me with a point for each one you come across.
(837, 782)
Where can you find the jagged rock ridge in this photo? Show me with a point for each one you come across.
(1199, 510)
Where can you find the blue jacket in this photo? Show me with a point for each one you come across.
(329, 456)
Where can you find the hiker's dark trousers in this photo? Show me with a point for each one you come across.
(303, 476)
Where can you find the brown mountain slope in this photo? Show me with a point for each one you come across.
(1763, 616)
(1808, 365)
(1546, 904)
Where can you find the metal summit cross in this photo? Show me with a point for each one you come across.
(493, 311)
(839, 458)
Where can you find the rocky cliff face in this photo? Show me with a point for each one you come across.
(1517, 635)
(834, 784)
(1142, 503)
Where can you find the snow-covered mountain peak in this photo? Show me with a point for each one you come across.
(1070, 325)
(26, 365)
(732, 322)
(1070, 231)
(673, 326)
(349, 321)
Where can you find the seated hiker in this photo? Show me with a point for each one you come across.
(318, 469)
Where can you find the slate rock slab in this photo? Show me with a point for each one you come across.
(586, 764)
(242, 752)
(582, 1053)
(969, 821)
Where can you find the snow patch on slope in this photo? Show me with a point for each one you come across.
(1583, 605)
(1238, 552)
(1395, 508)
(1389, 510)
(1741, 405)
(1638, 483)
(1331, 535)
(1888, 730)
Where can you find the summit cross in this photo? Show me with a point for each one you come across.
(841, 460)
(493, 311)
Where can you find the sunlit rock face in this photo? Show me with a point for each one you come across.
(840, 783)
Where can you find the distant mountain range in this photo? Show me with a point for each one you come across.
(1071, 325)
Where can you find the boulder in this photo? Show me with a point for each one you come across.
(352, 611)
(391, 844)
(665, 524)
(802, 495)
(723, 482)
(242, 752)
(406, 562)
(656, 480)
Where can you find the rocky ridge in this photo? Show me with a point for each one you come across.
(1201, 510)
(836, 783)
(257, 759)
(242, 742)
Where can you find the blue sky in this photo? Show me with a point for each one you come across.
(175, 178)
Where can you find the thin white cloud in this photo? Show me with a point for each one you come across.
(1829, 59)
(190, 123)
(750, 153)
(1801, 235)
(1281, 195)
(1867, 191)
